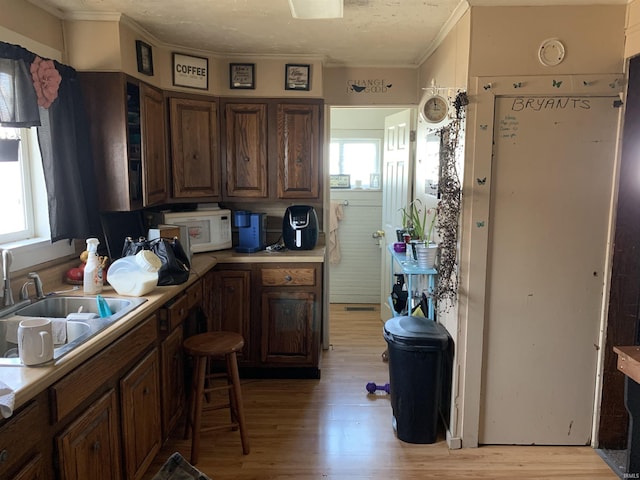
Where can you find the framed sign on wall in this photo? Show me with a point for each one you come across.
(190, 71)
(297, 77)
(144, 57)
(242, 75)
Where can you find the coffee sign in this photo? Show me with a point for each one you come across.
(190, 71)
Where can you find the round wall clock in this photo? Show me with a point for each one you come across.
(435, 109)
(551, 52)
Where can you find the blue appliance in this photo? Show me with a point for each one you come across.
(252, 231)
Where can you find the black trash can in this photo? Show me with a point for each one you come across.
(417, 349)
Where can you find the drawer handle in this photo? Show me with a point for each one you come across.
(4, 456)
(288, 278)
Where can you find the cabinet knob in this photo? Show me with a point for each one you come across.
(145, 391)
(288, 278)
(4, 456)
(96, 446)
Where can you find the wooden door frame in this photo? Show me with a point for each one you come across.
(623, 313)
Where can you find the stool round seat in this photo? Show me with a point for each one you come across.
(213, 344)
(204, 347)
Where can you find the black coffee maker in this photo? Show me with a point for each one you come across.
(300, 227)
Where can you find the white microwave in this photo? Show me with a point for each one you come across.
(205, 230)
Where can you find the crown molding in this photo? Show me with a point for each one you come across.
(451, 22)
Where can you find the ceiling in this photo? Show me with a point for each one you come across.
(371, 33)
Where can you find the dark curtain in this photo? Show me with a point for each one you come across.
(64, 141)
(18, 102)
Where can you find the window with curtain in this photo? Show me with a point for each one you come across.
(46, 94)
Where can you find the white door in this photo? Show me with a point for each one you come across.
(396, 192)
(552, 179)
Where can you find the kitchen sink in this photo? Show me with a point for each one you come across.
(60, 307)
(77, 329)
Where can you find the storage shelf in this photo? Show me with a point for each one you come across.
(409, 267)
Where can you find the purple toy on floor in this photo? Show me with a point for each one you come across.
(372, 387)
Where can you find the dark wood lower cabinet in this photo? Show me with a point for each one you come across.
(140, 403)
(277, 307)
(90, 446)
(33, 470)
(288, 323)
(172, 380)
(230, 305)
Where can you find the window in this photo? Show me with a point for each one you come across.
(24, 226)
(358, 158)
(16, 215)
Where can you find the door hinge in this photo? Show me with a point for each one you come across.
(412, 136)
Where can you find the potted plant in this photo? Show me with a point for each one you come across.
(414, 222)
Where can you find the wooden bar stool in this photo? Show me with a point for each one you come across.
(204, 347)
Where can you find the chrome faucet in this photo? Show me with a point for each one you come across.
(6, 275)
(37, 283)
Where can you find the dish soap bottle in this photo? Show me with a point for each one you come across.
(93, 270)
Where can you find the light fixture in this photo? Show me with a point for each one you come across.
(316, 8)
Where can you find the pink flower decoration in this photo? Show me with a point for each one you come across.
(46, 80)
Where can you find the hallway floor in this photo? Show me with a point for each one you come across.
(333, 429)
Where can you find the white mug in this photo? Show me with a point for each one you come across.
(35, 341)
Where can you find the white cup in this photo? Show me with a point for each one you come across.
(35, 341)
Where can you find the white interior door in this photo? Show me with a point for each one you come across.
(396, 192)
(551, 187)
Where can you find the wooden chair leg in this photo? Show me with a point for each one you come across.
(188, 425)
(201, 369)
(232, 398)
(237, 395)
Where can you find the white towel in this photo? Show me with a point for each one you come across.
(335, 215)
(7, 400)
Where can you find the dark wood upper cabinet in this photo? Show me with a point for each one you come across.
(298, 150)
(272, 149)
(246, 150)
(127, 126)
(154, 161)
(195, 158)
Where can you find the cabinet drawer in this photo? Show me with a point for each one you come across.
(194, 295)
(173, 314)
(19, 434)
(278, 277)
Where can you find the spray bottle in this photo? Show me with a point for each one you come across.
(92, 270)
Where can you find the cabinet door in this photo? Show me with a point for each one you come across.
(140, 399)
(172, 380)
(246, 150)
(152, 124)
(298, 140)
(90, 446)
(288, 333)
(194, 148)
(33, 470)
(230, 308)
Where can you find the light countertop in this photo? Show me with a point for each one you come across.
(27, 382)
(231, 256)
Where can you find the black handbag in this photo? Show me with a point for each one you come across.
(175, 263)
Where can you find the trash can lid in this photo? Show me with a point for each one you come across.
(410, 330)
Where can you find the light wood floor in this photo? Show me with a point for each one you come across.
(332, 429)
